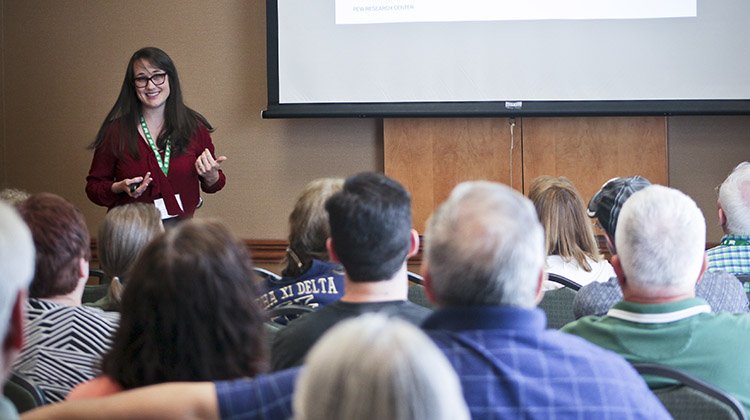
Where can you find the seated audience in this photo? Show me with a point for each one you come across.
(733, 254)
(309, 277)
(17, 267)
(126, 230)
(721, 290)
(660, 239)
(371, 236)
(64, 341)
(371, 367)
(189, 314)
(572, 251)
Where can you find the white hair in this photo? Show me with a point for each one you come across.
(17, 258)
(485, 246)
(660, 239)
(373, 367)
(734, 199)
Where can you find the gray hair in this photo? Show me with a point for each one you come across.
(661, 237)
(734, 199)
(374, 367)
(485, 246)
(17, 259)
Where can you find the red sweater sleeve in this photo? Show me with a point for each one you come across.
(101, 176)
(206, 143)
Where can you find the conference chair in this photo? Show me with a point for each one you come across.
(691, 398)
(94, 292)
(23, 393)
(416, 290)
(557, 304)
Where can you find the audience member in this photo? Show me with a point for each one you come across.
(733, 254)
(189, 314)
(484, 267)
(17, 262)
(309, 277)
(572, 251)
(13, 196)
(371, 236)
(371, 367)
(721, 290)
(126, 230)
(660, 240)
(64, 341)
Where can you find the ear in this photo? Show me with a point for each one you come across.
(414, 244)
(332, 252)
(14, 340)
(704, 267)
(427, 283)
(83, 269)
(539, 289)
(722, 217)
(617, 265)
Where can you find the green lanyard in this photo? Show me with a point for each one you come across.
(165, 164)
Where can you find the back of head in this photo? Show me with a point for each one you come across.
(13, 196)
(484, 246)
(370, 226)
(189, 311)
(61, 239)
(734, 199)
(606, 204)
(16, 262)
(308, 225)
(661, 236)
(126, 230)
(568, 232)
(373, 367)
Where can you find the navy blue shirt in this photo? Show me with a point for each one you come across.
(510, 366)
(321, 284)
(263, 397)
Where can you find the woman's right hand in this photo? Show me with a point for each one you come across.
(125, 185)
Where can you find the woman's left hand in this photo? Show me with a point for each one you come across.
(208, 167)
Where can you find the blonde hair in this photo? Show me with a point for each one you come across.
(308, 226)
(567, 230)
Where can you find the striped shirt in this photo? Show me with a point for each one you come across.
(63, 345)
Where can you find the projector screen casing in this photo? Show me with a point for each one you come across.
(319, 69)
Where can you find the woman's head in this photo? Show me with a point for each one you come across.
(378, 368)
(568, 232)
(189, 311)
(308, 225)
(125, 232)
(143, 79)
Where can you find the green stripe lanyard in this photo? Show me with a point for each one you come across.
(165, 164)
(732, 241)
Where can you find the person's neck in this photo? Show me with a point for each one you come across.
(655, 297)
(154, 117)
(71, 299)
(395, 288)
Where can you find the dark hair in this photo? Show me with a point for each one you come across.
(189, 311)
(180, 122)
(61, 239)
(370, 226)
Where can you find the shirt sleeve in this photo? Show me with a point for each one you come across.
(101, 176)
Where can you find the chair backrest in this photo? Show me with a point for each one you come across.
(692, 398)
(23, 393)
(266, 274)
(93, 293)
(415, 278)
(416, 290)
(557, 304)
(556, 278)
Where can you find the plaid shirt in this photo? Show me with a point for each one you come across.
(511, 367)
(263, 397)
(732, 256)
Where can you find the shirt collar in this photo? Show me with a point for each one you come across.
(659, 313)
(730, 240)
(486, 318)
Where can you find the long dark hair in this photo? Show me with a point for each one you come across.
(189, 311)
(180, 122)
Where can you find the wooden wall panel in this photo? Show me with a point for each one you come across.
(430, 156)
(591, 150)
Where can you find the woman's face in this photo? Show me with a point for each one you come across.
(151, 88)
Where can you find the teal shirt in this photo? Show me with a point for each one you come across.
(678, 334)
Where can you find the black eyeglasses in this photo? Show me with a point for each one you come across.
(157, 79)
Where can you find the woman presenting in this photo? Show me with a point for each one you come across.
(151, 147)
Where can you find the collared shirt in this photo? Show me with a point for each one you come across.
(682, 335)
(263, 397)
(732, 255)
(510, 366)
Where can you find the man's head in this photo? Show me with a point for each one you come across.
(62, 244)
(606, 204)
(661, 236)
(734, 201)
(484, 246)
(370, 226)
(17, 265)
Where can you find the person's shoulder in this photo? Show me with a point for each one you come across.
(264, 396)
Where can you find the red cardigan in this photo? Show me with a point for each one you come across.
(182, 177)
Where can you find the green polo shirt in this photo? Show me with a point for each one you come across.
(684, 335)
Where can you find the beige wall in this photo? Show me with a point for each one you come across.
(62, 64)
